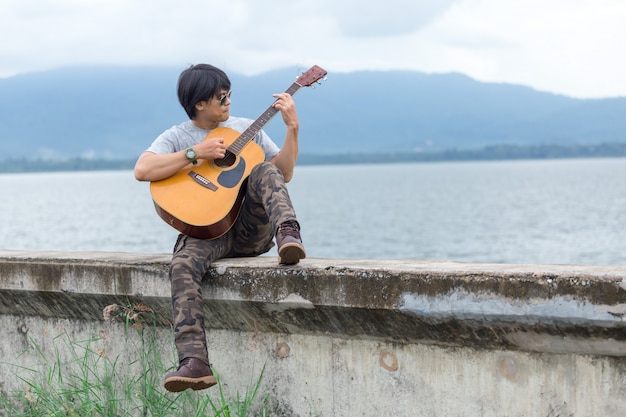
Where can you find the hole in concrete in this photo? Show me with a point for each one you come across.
(388, 360)
(282, 350)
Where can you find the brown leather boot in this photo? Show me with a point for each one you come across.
(290, 248)
(192, 373)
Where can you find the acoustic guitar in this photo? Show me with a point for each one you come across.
(204, 200)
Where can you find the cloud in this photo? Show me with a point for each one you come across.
(564, 46)
(560, 46)
(358, 18)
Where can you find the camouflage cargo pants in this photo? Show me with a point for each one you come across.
(266, 205)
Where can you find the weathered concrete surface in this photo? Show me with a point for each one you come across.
(351, 337)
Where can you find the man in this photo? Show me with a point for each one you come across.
(204, 92)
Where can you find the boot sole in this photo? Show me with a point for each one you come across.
(180, 383)
(291, 253)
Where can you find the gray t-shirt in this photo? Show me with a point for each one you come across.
(187, 134)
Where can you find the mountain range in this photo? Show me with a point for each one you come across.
(116, 112)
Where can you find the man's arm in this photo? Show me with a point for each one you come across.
(154, 167)
(286, 159)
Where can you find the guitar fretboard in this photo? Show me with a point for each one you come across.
(258, 124)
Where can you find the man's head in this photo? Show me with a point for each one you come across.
(198, 83)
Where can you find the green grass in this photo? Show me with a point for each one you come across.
(80, 380)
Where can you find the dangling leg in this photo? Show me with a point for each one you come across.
(191, 259)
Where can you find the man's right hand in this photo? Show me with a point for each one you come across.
(212, 148)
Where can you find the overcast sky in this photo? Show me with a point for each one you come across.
(571, 47)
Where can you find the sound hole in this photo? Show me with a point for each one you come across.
(227, 161)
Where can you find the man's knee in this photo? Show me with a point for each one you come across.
(263, 170)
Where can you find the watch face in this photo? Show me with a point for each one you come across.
(191, 153)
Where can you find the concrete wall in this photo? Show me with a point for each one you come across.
(349, 337)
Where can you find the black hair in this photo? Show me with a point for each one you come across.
(199, 83)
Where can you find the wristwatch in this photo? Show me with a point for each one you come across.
(191, 154)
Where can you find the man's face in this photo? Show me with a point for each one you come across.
(216, 109)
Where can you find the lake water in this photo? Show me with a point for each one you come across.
(548, 211)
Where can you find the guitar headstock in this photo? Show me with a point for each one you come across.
(312, 75)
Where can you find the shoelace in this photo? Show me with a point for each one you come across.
(290, 228)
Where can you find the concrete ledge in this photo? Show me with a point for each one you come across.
(532, 308)
(342, 337)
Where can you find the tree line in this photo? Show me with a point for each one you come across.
(487, 153)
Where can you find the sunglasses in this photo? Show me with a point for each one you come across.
(225, 96)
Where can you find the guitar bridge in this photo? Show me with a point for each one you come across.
(203, 181)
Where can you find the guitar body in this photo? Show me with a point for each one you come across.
(204, 200)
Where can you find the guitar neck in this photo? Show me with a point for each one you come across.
(258, 124)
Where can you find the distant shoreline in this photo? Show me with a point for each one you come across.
(488, 153)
